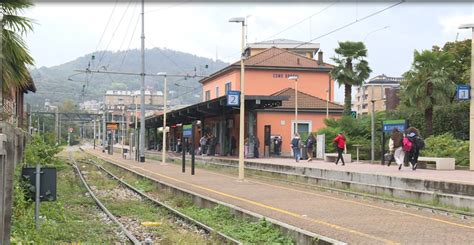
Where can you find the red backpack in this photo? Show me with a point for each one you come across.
(407, 144)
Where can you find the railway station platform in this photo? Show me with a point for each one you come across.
(344, 218)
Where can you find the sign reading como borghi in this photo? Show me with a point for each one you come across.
(233, 98)
(389, 125)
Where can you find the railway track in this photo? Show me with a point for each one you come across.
(177, 214)
(127, 233)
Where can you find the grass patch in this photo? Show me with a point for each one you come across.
(72, 218)
(220, 217)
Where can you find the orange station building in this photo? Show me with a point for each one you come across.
(269, 98)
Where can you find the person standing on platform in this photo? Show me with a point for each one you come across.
(233, 144)
(310, 146)
(395, 145)
(340, 144)
(203, 142)
(295, 145)
(256, 145)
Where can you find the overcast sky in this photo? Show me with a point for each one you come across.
(67, 31)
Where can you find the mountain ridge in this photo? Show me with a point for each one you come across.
(59, 82)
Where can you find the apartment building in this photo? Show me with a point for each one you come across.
(376, 91)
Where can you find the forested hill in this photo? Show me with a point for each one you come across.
(59, 83)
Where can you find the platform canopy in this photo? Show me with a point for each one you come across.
(212, 108)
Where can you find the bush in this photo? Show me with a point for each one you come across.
(446, 145)
(357, 132)
(39, 152)
(452, 118)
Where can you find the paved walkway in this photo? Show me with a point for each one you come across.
(456, 176)
(352, 220)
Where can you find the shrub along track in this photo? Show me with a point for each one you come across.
(122, 198)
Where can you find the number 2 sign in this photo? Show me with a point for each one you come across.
(233, 98)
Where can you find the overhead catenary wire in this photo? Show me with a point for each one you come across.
(113, 34)
(291, 26)
(127, 29)
(89, 77)
(167, 57)
(302, 20)
(129, 43)
(332, 31)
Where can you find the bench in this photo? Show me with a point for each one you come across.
(442, 163)
(331, 157)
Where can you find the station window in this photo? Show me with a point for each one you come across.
(208, 95)
(228, 86)
(217, 92)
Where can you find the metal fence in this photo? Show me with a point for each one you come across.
(12, 145)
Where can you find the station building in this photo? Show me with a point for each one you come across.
(269, 99)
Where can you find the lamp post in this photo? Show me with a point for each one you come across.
(242, 99)
(471, 111)
(327, 103)
(163, 148)
(295, 78)
(372, 128)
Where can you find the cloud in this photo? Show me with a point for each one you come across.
(451, 23)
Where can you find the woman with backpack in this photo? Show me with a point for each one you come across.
(413, 136)
(396, 148)
(340, 144)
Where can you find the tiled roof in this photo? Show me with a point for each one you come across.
(305, 101)
(276, 57)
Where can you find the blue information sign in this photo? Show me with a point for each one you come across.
(463, 92)
(187, 130)
(233, 98)
(389, 125)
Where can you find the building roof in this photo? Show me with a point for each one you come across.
(286, 44)
(305, 101)
(211, 108)
(384, 80)
(29, 85)
(275, 58)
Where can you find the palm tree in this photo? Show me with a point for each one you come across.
(15, 55)
(351, 69)
(427, 83)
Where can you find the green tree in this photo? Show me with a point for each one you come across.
(15, 55)
(351, 69)
(460, 66)
(427, 83)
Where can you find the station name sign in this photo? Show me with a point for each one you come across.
(283, 75)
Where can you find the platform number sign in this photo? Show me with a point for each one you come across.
(233, 98)
(463, 92)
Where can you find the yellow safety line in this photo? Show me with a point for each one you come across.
(269, 207)
(353, 202)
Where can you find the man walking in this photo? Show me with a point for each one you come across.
(295, 145)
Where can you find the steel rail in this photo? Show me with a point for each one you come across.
(173, 211)
(127, 233)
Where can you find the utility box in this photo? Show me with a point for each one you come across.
(47, 182)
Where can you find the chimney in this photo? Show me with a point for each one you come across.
(320, 58)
